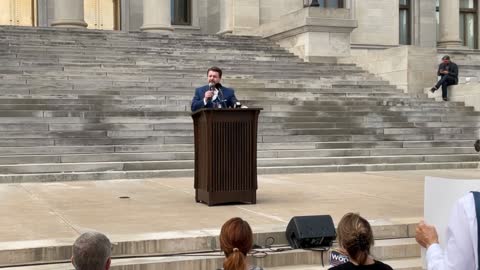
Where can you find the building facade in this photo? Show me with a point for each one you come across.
(426, 23)
(398, 40)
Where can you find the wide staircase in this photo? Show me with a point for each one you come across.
(82, 104)
(193, 250)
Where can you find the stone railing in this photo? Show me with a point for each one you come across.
(410, 68)
(302, 31)
(329, 4)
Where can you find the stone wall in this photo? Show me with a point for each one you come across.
(468, 93)
(410, 68)
(246, 16)
(424, 31)
(377, 22)
(313, 34)
(211, 22)
(271, 10)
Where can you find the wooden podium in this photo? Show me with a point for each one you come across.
(226, 155)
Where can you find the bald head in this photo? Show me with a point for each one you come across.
(91, 251)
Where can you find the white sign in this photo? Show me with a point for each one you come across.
(440, 196)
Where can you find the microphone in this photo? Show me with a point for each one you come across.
(211, 87)
(222, 100)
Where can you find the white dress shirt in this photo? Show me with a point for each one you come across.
(461, 240)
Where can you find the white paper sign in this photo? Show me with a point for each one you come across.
(440, 196)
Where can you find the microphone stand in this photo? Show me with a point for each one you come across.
(222, 101)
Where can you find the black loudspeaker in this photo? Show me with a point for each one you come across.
(311, 231)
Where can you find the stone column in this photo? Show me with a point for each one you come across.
(157, 16)
(226, 17)
(69, 13)
(449, 24)
(239, 17)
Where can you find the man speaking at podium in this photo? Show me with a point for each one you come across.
(213, 95)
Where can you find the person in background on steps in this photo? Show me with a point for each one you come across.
(355, 237)
(236, 240)
(461, 245)
(92, 251)
(214, 95)
(448, 71)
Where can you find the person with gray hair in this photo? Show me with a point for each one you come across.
(92, 251)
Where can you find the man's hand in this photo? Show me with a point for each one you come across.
(426, 235)
(208, 95)
(444, 72)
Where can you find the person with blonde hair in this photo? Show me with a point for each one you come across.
(236, 240)
(355, 237)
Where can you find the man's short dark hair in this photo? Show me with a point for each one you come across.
(446, 57)
(216, 69)
(477, 146)
(91, 251)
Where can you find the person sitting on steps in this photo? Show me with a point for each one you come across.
(448, 71)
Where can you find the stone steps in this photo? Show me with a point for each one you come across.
(264, 150)
(398, 264)
(76, 141)
(264, 135)
(265, 165)
(273, 260)
(158, 99)
(413, 147)
(178, 98)
(125, 109)
(77, 104)
(104, 173)
(106, 154)
(184, 110)
(161, 250)
(153, 125)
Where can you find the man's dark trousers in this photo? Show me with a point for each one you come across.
(445, 81)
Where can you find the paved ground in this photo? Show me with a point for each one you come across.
(59, 211)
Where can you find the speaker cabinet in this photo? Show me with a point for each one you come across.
(311, 231)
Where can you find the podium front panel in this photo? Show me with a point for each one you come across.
(226, 155)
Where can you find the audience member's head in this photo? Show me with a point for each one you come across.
(236, 240)
(356, 237)
(91, 251)
(477, 145)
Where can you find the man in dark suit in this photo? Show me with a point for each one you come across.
(448, 71)
(213, 95)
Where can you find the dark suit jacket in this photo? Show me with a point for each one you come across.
(452, 69)
(228, 99)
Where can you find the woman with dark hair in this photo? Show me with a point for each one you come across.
(236, 240)
(356, 238)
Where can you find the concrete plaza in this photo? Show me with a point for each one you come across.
(125, 208)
